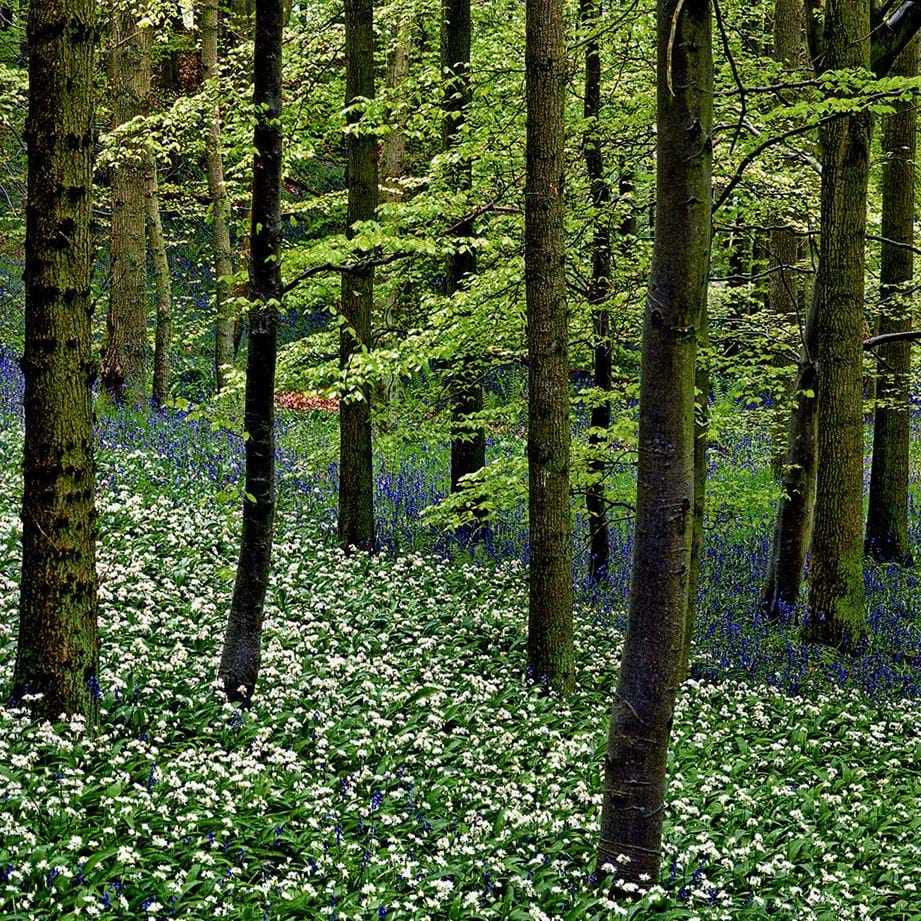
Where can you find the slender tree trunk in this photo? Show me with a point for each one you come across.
(468, 439)
(783, 287)
(793, 525)
(356, 471)
(393, 168)
(550, 641)
(643, 705)
(599, 292)
(57, 654)
(224, 312)
(887, 520)
(124, 360)
(240, 657)
(836, 588)
(163, 294)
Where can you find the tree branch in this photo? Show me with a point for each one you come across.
(892, 35)
(886, 338)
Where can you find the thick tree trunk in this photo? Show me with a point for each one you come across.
(240, 657)
(887, 520)
(550, 641)
(468, 439)
(641, 714)
(599, 292)
(124, 360)
(57, 654)
(224, 312)
(356, 472)
(793, 525)
(162, 292)
(836, 588)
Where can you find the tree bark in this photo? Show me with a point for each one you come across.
(124, 360)
(793, 525)
(162, 292)
(468, 439)
(240, 657)
(783, 286)
(57, 654)
(887, 519)
(550, 640)
(356, 471)
(641, 714)
(599, 292)
(836, 588)
(224, 312)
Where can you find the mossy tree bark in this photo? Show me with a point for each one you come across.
(643, 705)
(550, 640)
(240, 658)
(124, 359)
(356, 471)
(887, 519)
(599, 293)
(57, 654)
(162, 291)
(468, 439)
(222, 262)
(836, 614)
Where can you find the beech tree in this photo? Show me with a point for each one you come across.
(124, 359)
(840, 40)
(356, 470)
(550, 642)
(600, 190)
(643, 704)
(224, 313)
(57, 653)
(240, 657)
(468, 440)
(887, 518)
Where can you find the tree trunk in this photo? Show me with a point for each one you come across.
(887, 520)
(356, 471)
(57, 654)
(550, 641)
(793, 525)
(836, 588)
(599, 292)
(240, 657)
(224, 312)
(124, 360)
(641, 714)
(163, 294)
(783, 286)
(468, 439)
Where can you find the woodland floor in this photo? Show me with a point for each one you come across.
(396, 764)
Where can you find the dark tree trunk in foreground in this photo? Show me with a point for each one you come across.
(599, 292)
(58, 646)
(887, 519)
(468, 440)
(550, 643)
(356, 471)
(162, 290)
(124, 360)
(793, 525)
(240, 657)
(224, 312)
(641, 715)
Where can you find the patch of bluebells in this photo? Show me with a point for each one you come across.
(730, 639)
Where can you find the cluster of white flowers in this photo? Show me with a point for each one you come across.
(397, 765)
